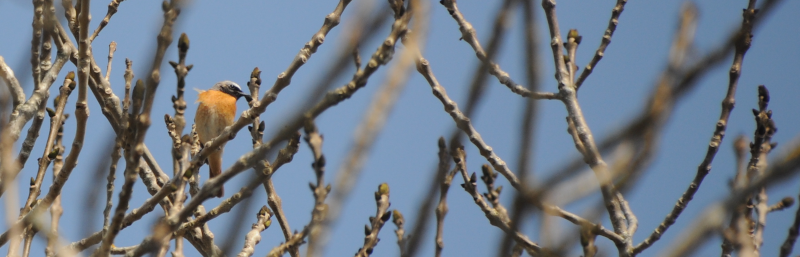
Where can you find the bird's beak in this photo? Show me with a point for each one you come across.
(247, 97)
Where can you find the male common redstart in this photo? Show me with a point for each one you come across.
(216, 111)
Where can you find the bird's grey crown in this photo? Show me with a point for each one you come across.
(228, 87)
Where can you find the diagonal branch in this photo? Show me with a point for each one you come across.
(469, 35)
(743, 43)
(604, 42)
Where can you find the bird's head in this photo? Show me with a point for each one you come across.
(231, 88)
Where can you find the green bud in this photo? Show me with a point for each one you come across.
(383, 189)
(398, 217)
(183, 42)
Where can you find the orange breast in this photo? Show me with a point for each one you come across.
(216, 111)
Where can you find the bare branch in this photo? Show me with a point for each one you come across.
(254, 236)
(442, 209)
(112, 9)
(17, 94)
(399, 222)
(604, 42)
(376, 222)
(469, 35)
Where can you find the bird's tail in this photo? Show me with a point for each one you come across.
(215, 168)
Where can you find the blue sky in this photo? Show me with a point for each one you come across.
(229, 39)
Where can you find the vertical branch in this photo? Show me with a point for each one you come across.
(181, 144)
(573, 40)
(376, 222)
(254, 236)
(588, 242)
(592, 156)
(71, 15)
(320, 190)
(36, 40)
(164, 39)
(399, 221)
(45, 54)
(112, 47)
(84, 64)
(130, 173)
(441, 208)
(56, 211)
(257, 129)
(273, 199)
(761, 146)
(126, 102)
(181, 70)
(422, 214)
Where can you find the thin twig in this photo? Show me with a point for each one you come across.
(761, 146)
(294, 241)
(469, 35)
(376, 222)
(254, 236)
(470, 185)
(399, 222)
(424, 211)
(786, 202)
(320, 189)
(463, 123)
(479, 78)
(441, 208)
(273, 199)
(112, 9)
(112, 47)
(604, 42)
(36, 41)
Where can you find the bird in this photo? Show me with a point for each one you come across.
(216, 110)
